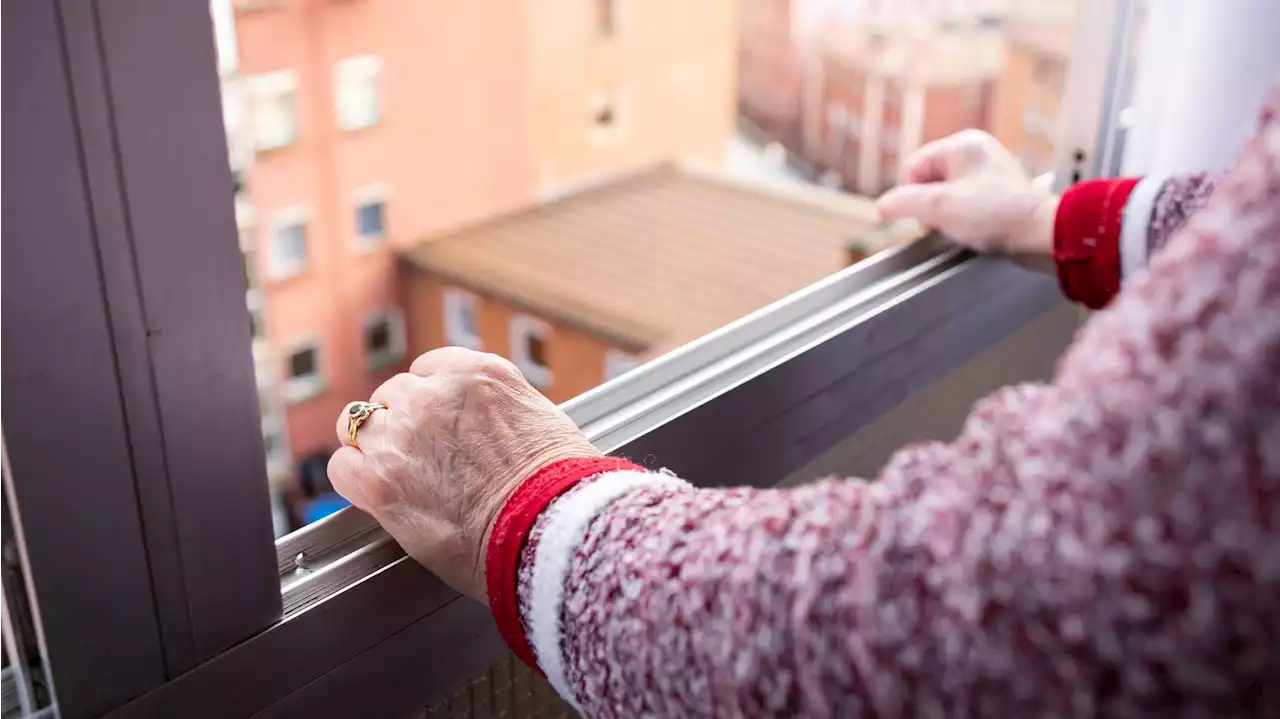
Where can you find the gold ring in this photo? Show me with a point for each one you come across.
(357, 413)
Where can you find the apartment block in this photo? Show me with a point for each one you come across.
(619, 84)
(1030, 97)
(888, 89)
(357, 129)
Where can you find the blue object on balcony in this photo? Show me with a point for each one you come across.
(322, 506)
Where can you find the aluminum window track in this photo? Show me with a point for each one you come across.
(348, 545)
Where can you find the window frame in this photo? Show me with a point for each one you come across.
(618, 363)
(187, 616)
(454, 301)
(297, 390)
(524, 327)
(273, 86)
(357, 73)
(278, 268)
(123, 174)
(370, 194)
(396, 336)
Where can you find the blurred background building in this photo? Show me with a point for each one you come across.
(579, 186)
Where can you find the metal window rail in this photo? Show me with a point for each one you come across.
(746, 405)
(325, 556)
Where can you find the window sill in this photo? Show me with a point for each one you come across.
(369, 244)
(283, 276)
(470, 342)
(382, 362)
(297, 391)
(537, 375)
(273, 147)
(358, 127)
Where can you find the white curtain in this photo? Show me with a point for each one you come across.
(1204, 68)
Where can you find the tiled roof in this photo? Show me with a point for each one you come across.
(654, 259)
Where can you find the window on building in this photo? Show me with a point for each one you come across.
(275, 443)
(253, 300)
(273, 98)
(357, 91)
(250, 267)
(604, 117)
(462, 319)
(606, 17)
(289, 254)
(384, 341)
(618, 363)
(530, 347)
(608, 116)
(304, 378)
(370, 220)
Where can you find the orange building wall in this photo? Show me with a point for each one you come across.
(771, 72)
(576, 359)
(1032, 82)
(664, 54)
(451, 147)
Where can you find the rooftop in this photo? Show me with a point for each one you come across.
(657, 258)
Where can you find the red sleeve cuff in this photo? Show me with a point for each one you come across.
(511, 530)
(1086, 239)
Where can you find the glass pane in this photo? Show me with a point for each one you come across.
(626, 177)
(369, 220)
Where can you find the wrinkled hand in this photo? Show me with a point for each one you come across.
(969, 187)
(462, 430)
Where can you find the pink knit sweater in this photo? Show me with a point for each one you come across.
(1105, 544)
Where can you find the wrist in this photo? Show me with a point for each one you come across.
(494, 506)
(1036, 236)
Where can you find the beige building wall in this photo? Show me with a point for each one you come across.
(667, 71)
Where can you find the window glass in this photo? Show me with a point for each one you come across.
(289, 251)
(369, 219)
(718, 157)
(383, 339)
(357, 99)
(530, 340)
(461, 321)
(302, 363)
(272, 105)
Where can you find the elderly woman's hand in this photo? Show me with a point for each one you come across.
(969, 187)
(461, 431)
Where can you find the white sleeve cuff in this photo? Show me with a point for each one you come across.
(1136, 223)
(565, 528)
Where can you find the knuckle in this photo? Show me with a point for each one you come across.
(495, 367)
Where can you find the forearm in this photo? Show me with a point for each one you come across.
(1102, 544)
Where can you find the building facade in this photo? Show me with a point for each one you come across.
(1031, 84)
(619, 84)
(888, 89)
(361, 128)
